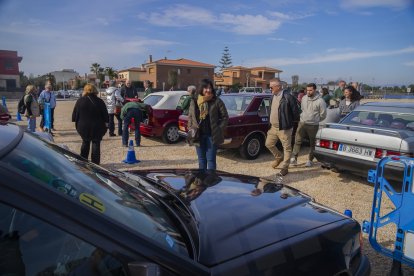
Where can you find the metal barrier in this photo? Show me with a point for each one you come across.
(402, 213)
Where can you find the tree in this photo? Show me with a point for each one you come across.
(24, 80)
(96, 69)
(110, 72)
(225, 61)
(172, 78)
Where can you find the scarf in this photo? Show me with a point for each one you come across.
(202, 102)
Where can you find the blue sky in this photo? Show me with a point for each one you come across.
(370, 41)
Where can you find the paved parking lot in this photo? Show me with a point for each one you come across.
(338, 191)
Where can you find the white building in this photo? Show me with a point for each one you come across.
(64, 75)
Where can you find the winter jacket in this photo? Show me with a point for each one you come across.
(91, 117)
(288, 111)
(113, 98)
(218, 118)
(32, 106)
(128, 105)
(313, 109)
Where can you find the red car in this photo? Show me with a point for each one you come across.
(248, 123)
(161, 119)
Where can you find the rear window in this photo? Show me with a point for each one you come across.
(153, 99)
(396, 121)
(236, 105)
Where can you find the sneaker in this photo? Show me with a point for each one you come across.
(293, 161)
(53, 129)
(112, 134)
(124, 145)
(276, 163)
(309, 163)
(283, 172)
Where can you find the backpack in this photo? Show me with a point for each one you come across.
(21, 107)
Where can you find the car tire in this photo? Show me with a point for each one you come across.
(170, 134)
(252, 147)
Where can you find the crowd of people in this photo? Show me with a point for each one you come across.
(207, 116)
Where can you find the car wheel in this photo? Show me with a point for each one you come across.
(252, 147)
(170, 134)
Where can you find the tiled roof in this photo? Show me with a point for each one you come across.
(135, 69)
(183, 61)
(266, 69)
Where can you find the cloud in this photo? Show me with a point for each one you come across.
(298, 42)
(289, 17)
(249, 24)
(409, 63)
(337, 57)
(357, 4)
(243, 24)
(180, 16)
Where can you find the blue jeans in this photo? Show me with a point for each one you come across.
(137, 115)
(206, 153)
(31, 124)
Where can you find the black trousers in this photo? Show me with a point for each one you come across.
(96, 150)
(111, 124)
(52, 118)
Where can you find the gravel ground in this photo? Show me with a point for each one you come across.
(338, 191)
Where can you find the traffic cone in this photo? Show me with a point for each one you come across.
(18, 117)
(130, 157)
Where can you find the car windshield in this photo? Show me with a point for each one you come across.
(152, 99)
(394, 121)
(101, 190)
(236, 104)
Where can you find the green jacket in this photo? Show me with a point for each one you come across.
(128, 105)
(338, 93)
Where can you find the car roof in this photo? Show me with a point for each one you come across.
(392, 107)
(170, 99)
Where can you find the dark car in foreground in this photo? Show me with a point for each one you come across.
(61, 215)
(370, 132)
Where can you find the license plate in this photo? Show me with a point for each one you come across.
(356, 151)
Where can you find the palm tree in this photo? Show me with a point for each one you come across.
(110, 72)
(96, 68)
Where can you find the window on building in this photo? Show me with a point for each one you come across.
(178, 71)
(8, 64)
(188, 71)
(151, 70)
(260, 74)
(234, 74)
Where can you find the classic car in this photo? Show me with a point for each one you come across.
(248, 122)
(62, 215)
(161, 119)
(371, 131)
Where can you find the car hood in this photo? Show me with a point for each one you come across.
(234, 218)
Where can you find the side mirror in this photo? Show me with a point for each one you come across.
(144, 269)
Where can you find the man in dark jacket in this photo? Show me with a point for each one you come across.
(132, 110)
(284, 112)
(128, 91)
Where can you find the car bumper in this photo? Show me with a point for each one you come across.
(364, 267)
(331, 160)
(151, 131)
